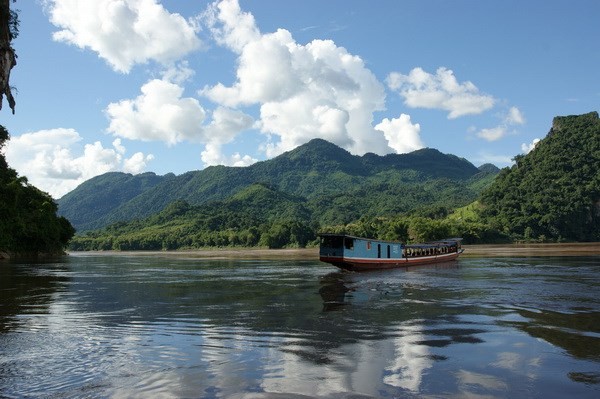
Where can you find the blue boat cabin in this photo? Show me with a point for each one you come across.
(357, 253)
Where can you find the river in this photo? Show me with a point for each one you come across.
(138, 326)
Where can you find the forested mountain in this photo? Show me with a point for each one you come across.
(29, 225)
(97, 197)
(256, 215)
(552, 193)
(337, 186)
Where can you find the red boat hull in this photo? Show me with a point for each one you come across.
(362, 264)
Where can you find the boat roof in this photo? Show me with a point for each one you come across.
(429, 244)
(433, 244)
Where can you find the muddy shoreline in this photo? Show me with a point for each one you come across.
(481, 251)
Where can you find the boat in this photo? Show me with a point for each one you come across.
(361, 254)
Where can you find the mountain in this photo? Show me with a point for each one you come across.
(552, 193)
(88, 204)
(319, 172)
(255, 215)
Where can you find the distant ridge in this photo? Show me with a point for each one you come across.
(317, 169)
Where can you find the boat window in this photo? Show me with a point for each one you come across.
(389, 254)
(332, 241)
(349, 243)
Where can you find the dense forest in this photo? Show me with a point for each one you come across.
(278, 203)
(338, 186)
(29, 224)
(550, 194)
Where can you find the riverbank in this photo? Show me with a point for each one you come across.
(495, 250)
(512, 250)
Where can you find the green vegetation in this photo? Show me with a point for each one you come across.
(336, 186)
(551, 194)
(278, 203)
(28, 221)
(256, 216)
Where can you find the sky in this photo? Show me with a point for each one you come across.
(170, 86)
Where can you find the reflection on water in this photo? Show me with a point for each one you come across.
(134, 326)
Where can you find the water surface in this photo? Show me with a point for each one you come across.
(159, 326)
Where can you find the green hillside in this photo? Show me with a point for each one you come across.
(280, 202)
(319, 172)
(552, 193)
(94, 199)
(257, 215)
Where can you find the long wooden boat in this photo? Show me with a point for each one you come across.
(360, 254)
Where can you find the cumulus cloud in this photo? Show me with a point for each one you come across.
(230, 26)
(178, 73)
(160, 113)
(494, 133)
(225, 125)
(124, 32)
(512, 118)
(527, 148)
(46, 158)
(213, 155)
(402, 135)
(421, 89)
(304, 91)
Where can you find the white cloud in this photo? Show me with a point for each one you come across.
(527, 148)
(304, 91)
(402, 135)
(440, 91)
(225, 126)
(124, 32)
(231, 26)
(513, 117)
(493, 134)
(212, 155)
(46, 158)
(160, 113)
(137, 163)
(178, 73)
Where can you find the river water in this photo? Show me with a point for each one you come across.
(116, 326)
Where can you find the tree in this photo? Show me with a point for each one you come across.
(28, 220)
(9, 30)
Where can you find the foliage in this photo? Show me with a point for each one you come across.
(336, 186)
(415, 229)
(552, 193)
(278, 203)
(28, 220)
(255, 216)
(93, 199)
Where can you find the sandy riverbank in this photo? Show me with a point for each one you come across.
(569, 249)
(566, 249)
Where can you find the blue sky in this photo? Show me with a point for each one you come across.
(173, 86)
